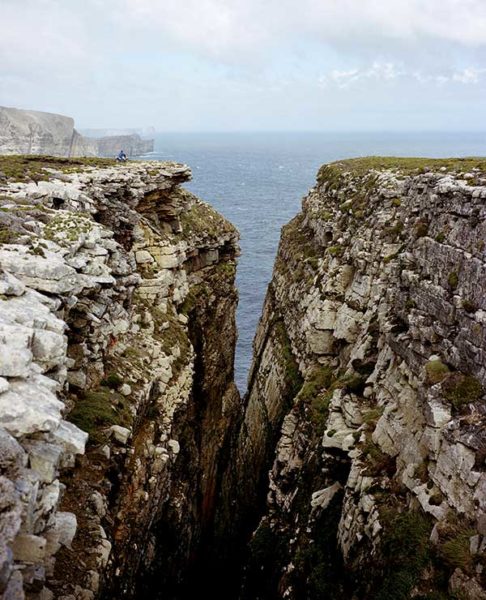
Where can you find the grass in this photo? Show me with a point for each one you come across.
(405, 166)
(7, 236)
(406, 553)
(454, 551)
(19, 167)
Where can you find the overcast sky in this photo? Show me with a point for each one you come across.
(200, 65)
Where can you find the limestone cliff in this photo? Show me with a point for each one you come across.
(369, 376)
(36, 132)
(117, 305)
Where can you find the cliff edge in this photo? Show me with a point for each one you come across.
(115, 287)
(369, 378)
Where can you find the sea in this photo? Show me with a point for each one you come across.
(257, 181)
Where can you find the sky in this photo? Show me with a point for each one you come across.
(251, 65)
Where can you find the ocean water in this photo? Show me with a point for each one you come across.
(257, 180)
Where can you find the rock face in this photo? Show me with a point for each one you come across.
(355, 465)
(116, 286)
(369, 378)
(34, 132)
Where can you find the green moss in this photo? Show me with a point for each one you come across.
(7, 236)
(440, 237)
(319, 411)
(371, 416)
(318, 380)
(335, 250)
(436, 371)
(97, 410)
(469, 306)
(378, 463)
(292, 373)
(453, 280)
(460, 389)
(324, 215)
(395, 230)
(202, 219)
(396, 202)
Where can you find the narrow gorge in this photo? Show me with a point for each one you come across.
(131, 467)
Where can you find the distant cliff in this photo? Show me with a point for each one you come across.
(34, 132)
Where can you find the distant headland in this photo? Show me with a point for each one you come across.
(35, 132)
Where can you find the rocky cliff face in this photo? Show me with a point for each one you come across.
(129, 466)
(117, 306)
(369, 377)
(35, 132)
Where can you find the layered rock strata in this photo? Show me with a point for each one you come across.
(117, 306)
(36, 132)
(369, 373)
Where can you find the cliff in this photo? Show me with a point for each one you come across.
(116, 385)
(368, 379)
(35, 132)
(129, 465)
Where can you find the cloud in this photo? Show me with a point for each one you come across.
(228, 27)
(468, 75)
(387, 72)
(377, 71)
(107, 60)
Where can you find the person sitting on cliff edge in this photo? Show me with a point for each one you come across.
(122, 157)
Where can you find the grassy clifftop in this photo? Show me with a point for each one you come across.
(18, 167)
(405, 166)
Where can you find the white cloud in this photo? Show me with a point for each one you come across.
(387, 72)
(468, 75)
(377, 71)
(132, 58)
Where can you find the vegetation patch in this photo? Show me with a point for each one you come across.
(453, 280)
(436, 371)
(460, 389)
(33, 167)
(202, 219)
(292, 373)
(406, 166)
(454, 548)
(421, 229)
(7, 236)
(406, 553)
(97, 410)
(319, 379)
(335, 250)
(112, 381)
(378, 463)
